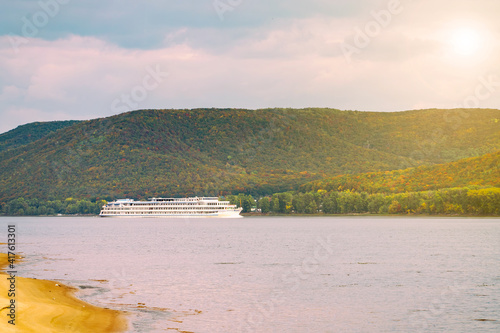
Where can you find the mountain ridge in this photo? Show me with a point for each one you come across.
(219, 151)
(27, 133)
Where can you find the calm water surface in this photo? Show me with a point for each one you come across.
(282, 274)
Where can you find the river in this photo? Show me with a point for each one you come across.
(275, 274)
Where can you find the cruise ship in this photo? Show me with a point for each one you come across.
(170, 207)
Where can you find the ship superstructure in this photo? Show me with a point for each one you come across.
(170, 207)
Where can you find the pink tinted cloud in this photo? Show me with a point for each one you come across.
(293, 63)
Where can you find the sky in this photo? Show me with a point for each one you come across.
(74, 59)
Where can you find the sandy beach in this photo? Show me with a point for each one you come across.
(49, 306)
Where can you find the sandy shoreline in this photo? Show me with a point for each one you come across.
(49, 306)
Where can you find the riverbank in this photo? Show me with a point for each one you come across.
(416, 215)
(48, 306)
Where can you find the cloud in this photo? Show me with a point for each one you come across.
(132, 24)
(263, 54)
(11, 116)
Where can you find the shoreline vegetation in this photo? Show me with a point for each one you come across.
(462, 201)
(423, 215)
(37, 207)
(471, 201)
(49, 306)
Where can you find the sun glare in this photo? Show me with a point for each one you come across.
(466, 42)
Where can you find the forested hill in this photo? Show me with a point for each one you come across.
(212, 151)
(28, 133)
(483, 171)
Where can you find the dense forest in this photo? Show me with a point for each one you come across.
(28, 133)
(453, 201)
(467, 187)
(478, 171)
(21, 206)
(150, 153)
(471, 201)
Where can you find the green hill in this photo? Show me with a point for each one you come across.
(481, 171)
(213, 151)
(28, 133)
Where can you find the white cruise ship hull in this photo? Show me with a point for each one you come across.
(171, 207)
(228, 214)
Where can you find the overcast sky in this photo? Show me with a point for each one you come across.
(73, 59)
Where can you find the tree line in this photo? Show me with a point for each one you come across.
(36, 207)
(471, 200)
(454, 201)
